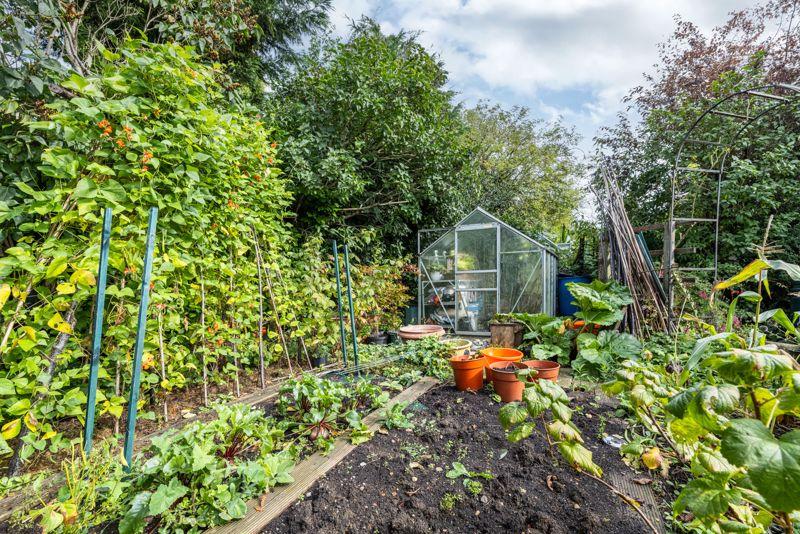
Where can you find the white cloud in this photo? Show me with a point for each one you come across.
(570, 58)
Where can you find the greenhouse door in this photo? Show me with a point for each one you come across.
(476, 277)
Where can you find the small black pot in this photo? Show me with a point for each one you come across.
(393, 337)
(319, 361)
(377, 339)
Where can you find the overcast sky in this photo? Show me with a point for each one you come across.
(573, 59)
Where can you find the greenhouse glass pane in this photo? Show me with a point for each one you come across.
(477, 249)
(476, 217)
(477, 280)
(439, 259)
(521, 282)
(475, 310)
(438, 307)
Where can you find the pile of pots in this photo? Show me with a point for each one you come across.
(499, 366)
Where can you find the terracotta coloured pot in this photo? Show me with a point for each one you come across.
(419, 331)
(468, 372)
(580, 324)
(505, 381)
(458, 346)
(546, 370)
(499, 354)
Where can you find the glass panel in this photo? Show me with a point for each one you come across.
(521, 282)
(475, 310)
(477, 249)
(477, 280)
(439, 259)
(439, 306)
(476, 217)
(511, 241)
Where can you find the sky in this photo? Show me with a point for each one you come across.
(568, 59)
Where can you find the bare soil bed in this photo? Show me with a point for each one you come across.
(397, 483)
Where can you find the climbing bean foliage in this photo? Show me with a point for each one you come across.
(151, 129)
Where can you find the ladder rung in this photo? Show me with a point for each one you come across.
(704, 142)
(698, 169)
(683, 250)
(689, 220)
(767, 95)
(729, 114)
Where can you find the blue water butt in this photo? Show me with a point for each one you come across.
(565, 306)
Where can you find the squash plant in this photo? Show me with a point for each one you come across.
(601, 305)
(722, 417)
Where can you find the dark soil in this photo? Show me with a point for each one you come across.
(397, 483)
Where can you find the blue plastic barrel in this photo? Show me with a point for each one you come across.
(565, 306)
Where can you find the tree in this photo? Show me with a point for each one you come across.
(370, 135)
(254, 38)
(521, 169)
(755, 46)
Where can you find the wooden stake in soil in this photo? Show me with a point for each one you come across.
(161, 356)
(274, 304)
(261, 369)
(203, 336)
(232, 325)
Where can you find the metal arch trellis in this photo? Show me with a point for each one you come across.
(773, 96)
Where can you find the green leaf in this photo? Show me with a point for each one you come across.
(641, 396)
(751, 270)
(201, 459)
(747, 366)
(535, 402)
(521, 432)
(559, 431)
(56, 267)
(20, 407)
(561, 411)
(512, 414)
(133, 520)
(702, 346)
(236, 508)
(773, 465)
(458, 470)
(706, 498)
(165, 496)
(51, 519)
(579, 457)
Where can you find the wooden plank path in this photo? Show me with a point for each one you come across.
(263, 510)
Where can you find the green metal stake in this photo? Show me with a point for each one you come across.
(97, 332)
(139, 347)
(350, 301)
(339, 301)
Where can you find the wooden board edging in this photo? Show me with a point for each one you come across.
(261, 511)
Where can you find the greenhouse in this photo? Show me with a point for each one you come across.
(481, 267)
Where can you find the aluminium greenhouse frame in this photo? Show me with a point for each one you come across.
(477, 276)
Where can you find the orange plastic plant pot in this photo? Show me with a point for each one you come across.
(545, 369)
(499, 354)
(467, 372)
(505, 381)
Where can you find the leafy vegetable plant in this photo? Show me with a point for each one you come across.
(722, 418)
